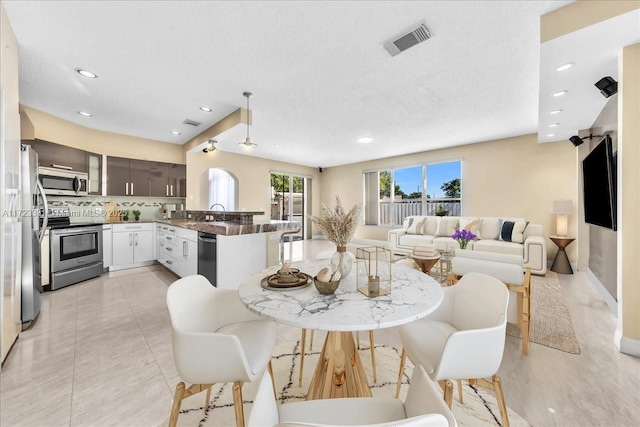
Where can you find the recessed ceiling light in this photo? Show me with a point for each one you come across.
(552, 125)
(85, 113)
(365, 139)
(555, 112)
(175, 132)
(564, 67)
(562, 92)
(551, 134)
(86, 73)
(206, 109)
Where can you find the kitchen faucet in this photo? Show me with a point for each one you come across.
(217, 204)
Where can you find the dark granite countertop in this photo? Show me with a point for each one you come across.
(224, 228)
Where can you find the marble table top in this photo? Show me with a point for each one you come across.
(413, 296)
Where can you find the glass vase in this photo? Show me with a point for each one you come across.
(342, 261)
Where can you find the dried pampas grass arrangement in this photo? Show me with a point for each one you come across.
(338, 225)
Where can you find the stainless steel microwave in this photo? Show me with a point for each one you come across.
(62, 182)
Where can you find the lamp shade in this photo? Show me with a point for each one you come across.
(562, 207)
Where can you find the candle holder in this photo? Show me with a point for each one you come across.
(374, 271)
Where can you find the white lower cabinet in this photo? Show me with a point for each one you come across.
(178, 249)
(132, 244)
(107, 245)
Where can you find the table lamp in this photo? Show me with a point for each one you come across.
(561, 208)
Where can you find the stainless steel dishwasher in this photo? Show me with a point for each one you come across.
(207, 256)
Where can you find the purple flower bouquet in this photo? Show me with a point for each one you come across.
(463, 237)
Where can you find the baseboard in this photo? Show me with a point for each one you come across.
(626, 345)
(611, 302)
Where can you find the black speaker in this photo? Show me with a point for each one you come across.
(576, 140)
(607, 86)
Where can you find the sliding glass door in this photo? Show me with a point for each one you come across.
(289, 200)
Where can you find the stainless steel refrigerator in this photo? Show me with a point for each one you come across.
(34, 205)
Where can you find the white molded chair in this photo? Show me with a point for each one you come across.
(463, 339)
(510, 270)
(215, 340)
(423, 407)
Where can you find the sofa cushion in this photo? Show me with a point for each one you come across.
(411, 240)
(446, 226)
(430, 226)
(498, 246)
(489, 228)
(415, 226)
(513, 231)
(446, 244)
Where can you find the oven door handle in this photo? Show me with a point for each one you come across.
(45, 219)
(75, 230)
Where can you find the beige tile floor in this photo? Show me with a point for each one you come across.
(100, 355)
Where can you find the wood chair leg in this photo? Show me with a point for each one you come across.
(311, 340)
(520, 310)
(237, 403)
(403, 358)
(273, 381)
(177, 401)
(526, 313)
(207, 400)
(502, 405)
(447, 386)
(373, 357)
(460, 391)
(303, 340)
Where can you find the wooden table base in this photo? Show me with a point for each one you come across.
(339, 372)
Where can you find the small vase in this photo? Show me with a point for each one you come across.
(342, 261)
(463, 244)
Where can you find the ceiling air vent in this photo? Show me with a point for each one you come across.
(191, 122)
(410, 37)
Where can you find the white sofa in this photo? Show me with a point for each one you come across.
(509, 236)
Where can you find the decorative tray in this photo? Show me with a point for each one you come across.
(279, 282)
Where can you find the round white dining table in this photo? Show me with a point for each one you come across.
(339, 372)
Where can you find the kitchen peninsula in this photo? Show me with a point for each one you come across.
(241, 246)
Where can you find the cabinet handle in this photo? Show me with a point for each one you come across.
(168, 238)
(171, 189)
(126, 188)
(136, 239)
(167, 189)
(170, 249)
(130, 239)
(169, 261)
(132, 188)
(185, 249)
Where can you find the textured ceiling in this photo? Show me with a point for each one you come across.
(318, 71)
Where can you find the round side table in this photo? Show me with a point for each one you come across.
(561, 261)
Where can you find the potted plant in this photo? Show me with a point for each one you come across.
(136, 214)
(441, 211)
(125, 215)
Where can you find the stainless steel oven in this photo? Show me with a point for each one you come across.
(62, 182)
(76, 254)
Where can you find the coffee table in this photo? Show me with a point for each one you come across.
(339, 371)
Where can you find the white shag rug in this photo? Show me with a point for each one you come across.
(479, 408)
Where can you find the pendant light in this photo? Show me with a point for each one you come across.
(247, 142)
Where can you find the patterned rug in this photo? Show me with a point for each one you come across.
(479, 408)
(551, 324)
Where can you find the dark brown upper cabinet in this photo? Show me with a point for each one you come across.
(127, 177)
(55, 155)
(168, 180)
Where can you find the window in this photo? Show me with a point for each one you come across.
(222, 189)
(390, 195)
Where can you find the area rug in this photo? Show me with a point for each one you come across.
(479, 408)
(551, 324)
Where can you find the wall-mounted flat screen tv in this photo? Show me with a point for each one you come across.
(599, 183)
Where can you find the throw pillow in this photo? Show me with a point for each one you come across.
(446, 227)
(416, 226)
(407, 222)
(430, 226)
(513, 231)
(490, 228)
(472, 226)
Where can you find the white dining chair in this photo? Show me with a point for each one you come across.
(510, 270)
(215, 340)
(422, 407)
(463, 338)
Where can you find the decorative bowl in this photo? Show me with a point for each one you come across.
(326, 288)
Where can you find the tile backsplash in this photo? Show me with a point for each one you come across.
(85, 208)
